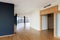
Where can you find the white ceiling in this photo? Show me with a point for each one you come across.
(26, 6)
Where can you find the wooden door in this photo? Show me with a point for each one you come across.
(50, 21)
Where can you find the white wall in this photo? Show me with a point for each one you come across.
(44, 23)
(35, 19)
(58, 25)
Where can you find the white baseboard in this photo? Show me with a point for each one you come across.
(38, 29)
(6, 35)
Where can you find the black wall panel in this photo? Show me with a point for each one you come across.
(6, 19)
(15, 19)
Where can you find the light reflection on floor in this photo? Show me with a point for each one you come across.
(21, 26)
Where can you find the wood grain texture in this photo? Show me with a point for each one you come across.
(31, 34)
(40, 23)
(49, 10)
(55, 24)
(54, 10)
(50, 21)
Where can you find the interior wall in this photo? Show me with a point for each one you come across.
(58, 24)
(6, 19)
(34, 17)
(44, 22)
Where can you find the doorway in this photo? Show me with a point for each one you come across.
(46, 11)
(50, 18)
(48, 23)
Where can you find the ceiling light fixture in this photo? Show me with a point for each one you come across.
(47, 5)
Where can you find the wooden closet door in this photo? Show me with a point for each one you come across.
(50, 21)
